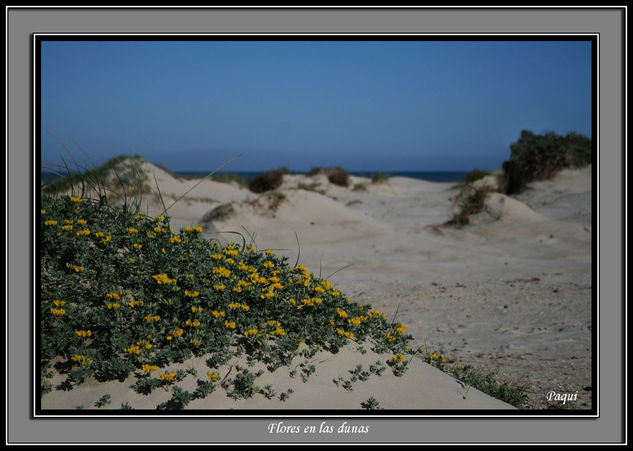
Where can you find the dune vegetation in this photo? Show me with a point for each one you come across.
(123, 294)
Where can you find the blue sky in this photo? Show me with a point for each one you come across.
(366, 106)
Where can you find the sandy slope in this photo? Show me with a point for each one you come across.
(510, 293)
(421, 387)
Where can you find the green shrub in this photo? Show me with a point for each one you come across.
(339, 177)
(335, 174)
(380, 177)
(473, 176)
(539, 157)
(122, 293)
(267, 181)
(471, 201)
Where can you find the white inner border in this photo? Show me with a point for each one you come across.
(134, 36)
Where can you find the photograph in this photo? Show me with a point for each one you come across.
(287, 225)
(364, 224)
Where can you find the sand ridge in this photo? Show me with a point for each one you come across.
(510, 293)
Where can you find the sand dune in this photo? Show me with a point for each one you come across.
(510, 293)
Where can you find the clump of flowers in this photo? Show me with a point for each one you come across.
(133, 292)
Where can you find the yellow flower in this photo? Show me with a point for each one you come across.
(250, 332)
(160, 218)
(221, 272)
(213, 376)
(149, 368)
(76, 199)
(116, 296)
(133, 350)
(67, 227)
(396, 359)
(81, 221)
(229, 324)
(132, 230)
(83, 232)
(175, 239)
(83, 333)
(114, 305)
(167, 377)
(191, 294)
(401, 329)
(137, 246)
(78, 358)
(163, 279)
(342, 313)
(58, 312)
(50, 222)
(219, 287)
(132, 260)
(43, 211)
(217, 314)
(269, 265)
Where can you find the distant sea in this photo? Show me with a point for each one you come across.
(431, 176)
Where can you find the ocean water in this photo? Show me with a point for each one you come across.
(431, 176)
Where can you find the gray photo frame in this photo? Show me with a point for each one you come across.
(607, 24)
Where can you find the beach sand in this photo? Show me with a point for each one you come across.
(509, 293)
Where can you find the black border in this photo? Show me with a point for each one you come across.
(37, 40)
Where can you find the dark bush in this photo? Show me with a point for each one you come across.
(471, 201)
(473, 176)
(267, 181)
(220, 212)
(339, 176)
(335, 174)
(380, 177)
(539, 157)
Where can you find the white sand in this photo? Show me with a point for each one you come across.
(509, 294)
